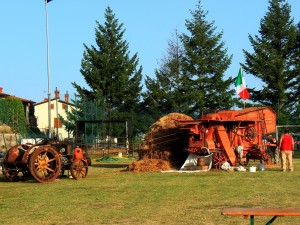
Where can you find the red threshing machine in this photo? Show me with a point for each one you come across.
(235, 136)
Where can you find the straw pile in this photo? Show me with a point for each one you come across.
(162, 148)
(149, 165)
(7, 137)
(4, 129)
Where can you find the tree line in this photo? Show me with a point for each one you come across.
(190, 78)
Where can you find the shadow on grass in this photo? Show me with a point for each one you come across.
(29, 180)
(110, 165)
(3, 179)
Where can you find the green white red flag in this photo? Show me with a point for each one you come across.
(240, 86)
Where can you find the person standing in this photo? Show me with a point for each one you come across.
(273, 148)
(286, 147)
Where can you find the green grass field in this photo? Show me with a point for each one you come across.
(109, 195)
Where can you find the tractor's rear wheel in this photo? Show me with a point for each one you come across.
(79, 169)
(219, 158)
(13, 173)
(45, 164)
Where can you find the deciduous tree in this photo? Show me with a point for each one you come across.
(12, 113)
(166, 91)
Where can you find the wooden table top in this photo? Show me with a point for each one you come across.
(261, 212)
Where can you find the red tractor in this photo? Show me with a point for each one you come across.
(233, 136)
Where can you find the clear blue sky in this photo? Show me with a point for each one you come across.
(149, 25)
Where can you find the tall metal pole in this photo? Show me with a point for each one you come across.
(57, 120)
(48, 72)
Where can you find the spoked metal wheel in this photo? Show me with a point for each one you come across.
(266, 158)
(250, 133)
(219, 158)
(13, 173)
(79, 168)
(245, 162)
(45, 164)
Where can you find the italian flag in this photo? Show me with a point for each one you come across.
(240, 86)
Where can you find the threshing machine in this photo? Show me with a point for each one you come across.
(44, 161)
(235, 136)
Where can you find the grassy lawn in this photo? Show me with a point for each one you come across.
(108, 195)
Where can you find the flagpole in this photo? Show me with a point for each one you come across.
(243, 91)
(48, 72)
(240, 86)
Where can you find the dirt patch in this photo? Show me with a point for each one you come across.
(163, 146)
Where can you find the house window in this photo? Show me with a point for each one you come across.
(64, 106)
(57, 123)
(52, 106)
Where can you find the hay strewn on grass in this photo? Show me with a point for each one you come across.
(149, 165)
(162, 148)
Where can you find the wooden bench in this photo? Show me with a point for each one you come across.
(274, 212)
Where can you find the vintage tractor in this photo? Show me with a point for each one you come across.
(44, 161)
(235, 136)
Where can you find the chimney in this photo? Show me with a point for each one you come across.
(1, 89)
(67, 97)
(56, 93)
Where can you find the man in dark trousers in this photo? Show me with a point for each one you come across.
(273, 148)
(286, 147)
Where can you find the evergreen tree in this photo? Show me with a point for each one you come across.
(112, 75)
(296, 70)
(164, 93)
(272, 60)
(205, 61)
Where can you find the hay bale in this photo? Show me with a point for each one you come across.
(168, 122)
(164, 141)
(5, 129)
(162, 130)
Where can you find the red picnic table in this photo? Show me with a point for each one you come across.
(274, 212)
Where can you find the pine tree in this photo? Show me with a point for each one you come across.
(272, 60)
(296, 71)
(112, 75)
(205, 61)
